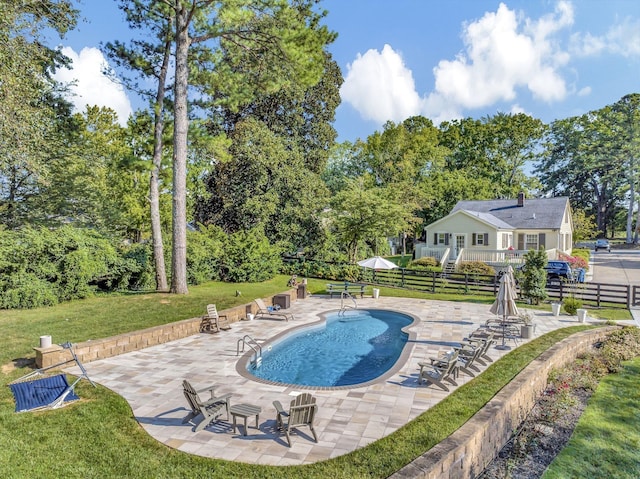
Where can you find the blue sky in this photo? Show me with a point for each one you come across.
(441, 59)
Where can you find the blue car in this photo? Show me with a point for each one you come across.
(558, 271)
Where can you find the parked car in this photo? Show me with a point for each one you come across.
(603, 244)
(559, 271)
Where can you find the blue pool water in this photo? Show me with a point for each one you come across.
(346, 350)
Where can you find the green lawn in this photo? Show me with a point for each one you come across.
(98, 436)
(606, 440)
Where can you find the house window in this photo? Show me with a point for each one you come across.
(506, 240)
(531, 241)
(441, 239)
(480, 239)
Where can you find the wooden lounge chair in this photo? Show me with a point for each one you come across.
(302, 411)
(210, 409)
(439, 370)
(483, 343)
(212, 321)
(265, 311)
(467, 356)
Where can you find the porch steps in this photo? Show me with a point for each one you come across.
(449, 267)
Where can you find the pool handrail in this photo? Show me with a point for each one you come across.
(344, 307)
(249, 341)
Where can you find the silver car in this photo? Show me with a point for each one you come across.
(603, 244)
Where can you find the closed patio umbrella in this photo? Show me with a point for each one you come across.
(505, 303)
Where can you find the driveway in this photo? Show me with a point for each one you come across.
(617, 267)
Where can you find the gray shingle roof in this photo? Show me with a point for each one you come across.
(537, 213)
(491, 219)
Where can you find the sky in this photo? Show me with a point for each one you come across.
(442, 59)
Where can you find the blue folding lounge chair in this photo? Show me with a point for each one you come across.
(47, 392)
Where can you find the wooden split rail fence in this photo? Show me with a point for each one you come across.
(593, 294)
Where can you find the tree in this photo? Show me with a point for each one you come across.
(497, 148)
(584, 228)
(582, 161)
(32, 110)
(627, 111)
(279, 141)
(264, 184)
(368, 216)
(283, 39)
(100, 183)
(151, 61)
(535, 276)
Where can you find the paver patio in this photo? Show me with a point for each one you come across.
(151, 381)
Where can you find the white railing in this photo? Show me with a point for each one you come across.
(499, 256)
(437, 252)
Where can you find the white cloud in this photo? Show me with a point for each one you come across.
(380, 87)
(621, 39)
(503, 53)
(586, 91)
(92, 86)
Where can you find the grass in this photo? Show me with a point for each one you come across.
(105, 316)
(606, 440)
(98, 436)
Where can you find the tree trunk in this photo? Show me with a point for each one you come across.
(154, 193)
(181, 126)
(632, 198)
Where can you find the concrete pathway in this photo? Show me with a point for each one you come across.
(348, 418)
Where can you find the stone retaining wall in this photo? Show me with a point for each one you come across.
(127, 342)
(469, 450)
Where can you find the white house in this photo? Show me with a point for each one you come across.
(492, 230)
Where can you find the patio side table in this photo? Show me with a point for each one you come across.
(244, 411)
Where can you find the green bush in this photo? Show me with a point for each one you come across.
(26, 290)
(534, 276)
(571, 305)
(475, 267)
(427, 262)
(205, 251)
(40, 267)
(250, 257)
(139, 258)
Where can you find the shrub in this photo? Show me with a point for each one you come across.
(139, 258)
(26, 290)
(40, 267)
(578, 259)
(249, 257)
(205, 249)
(534, 277)
(571, 305)
(475, 267)
(428, 263)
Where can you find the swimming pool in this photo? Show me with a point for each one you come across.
(344, 350)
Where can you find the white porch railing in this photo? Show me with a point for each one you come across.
(438, 252)
(501, 256)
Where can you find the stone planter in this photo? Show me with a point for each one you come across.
(376, 293)
(555, 308)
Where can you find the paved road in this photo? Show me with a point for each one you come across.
(617, 267)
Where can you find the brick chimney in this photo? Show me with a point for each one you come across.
(521, 199)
